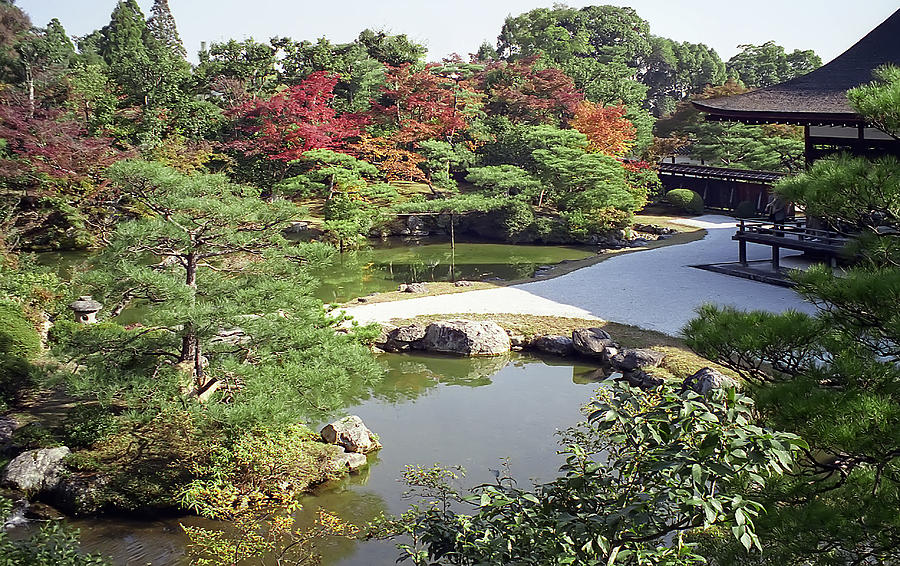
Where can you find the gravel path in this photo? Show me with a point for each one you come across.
(654, 289)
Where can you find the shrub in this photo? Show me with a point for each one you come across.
(685, 199)
(18, 338)
(87, 424)
(517, 218)
(745, 209)
(16, 375)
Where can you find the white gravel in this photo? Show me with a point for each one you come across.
(654, 289)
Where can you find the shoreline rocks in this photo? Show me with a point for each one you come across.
(459, 337)
(36, 471)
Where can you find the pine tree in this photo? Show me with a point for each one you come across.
(161, 26)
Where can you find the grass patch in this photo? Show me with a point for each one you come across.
(680, 361)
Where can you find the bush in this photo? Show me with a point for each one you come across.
(685, 199)
(18, 337)
(16, 375)
(85, 425)
(745, 209)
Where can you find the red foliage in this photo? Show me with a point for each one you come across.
(423, 104)
(51, 144)
(517, 90)
(606, 128)
(294, 121)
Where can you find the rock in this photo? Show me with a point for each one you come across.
(705, 380)
(8, 426)
(463, 284)
(517, 341)
(351, 433)
(556, 345)
(349, 461)
(642, 379)
(466, 337)
(362, 300)
(34, 471)
(595, 343)
(42, 512)
(80, 495)
(630, 360)
(404, 338)
(412, 288)
(296, 227)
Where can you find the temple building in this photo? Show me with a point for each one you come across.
(818, 100)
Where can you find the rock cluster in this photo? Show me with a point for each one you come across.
(353, 440)
(412, 288)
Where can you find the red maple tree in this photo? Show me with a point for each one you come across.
(606, 128)
(518, 91)
(423, 104)
(51, 144)
(294, 121)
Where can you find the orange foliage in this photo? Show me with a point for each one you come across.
(606, 128)
(394, 163)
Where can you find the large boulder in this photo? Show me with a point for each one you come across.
(594, 343)
(349, 462)
(556, 345)
(402, 338)
(631, 360)
(705, 380)
(35, 471)
(642, 380)
(351, 433)
(466, 337)
(412, 288)
(80, 495)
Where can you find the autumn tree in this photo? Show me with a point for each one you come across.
(416, 105)
(393, 162)
(524, 93)
(281, 129)
(606, 128)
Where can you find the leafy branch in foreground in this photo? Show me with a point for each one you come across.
(642, 470)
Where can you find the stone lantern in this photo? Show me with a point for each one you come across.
(85, 309)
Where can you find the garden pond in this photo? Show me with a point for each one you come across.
(478, 413)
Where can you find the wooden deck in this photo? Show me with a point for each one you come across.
(792, 235)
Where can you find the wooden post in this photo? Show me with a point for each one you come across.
(776, 257)
(742, 252)
(452, 233)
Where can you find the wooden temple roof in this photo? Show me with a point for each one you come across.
(818, 98)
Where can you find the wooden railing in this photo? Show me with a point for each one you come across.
(793, 234)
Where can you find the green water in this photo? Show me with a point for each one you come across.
(428, 409)
(383, 265)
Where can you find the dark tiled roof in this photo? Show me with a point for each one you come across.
(723, 173)
(819, 97)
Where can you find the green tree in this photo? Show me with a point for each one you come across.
(224, 317)
(393, 50)
(832, 377)
(162, 28)
(248, 63)
(768, 64)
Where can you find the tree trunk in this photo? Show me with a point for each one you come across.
(29, 81)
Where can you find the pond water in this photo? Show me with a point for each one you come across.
(383, 265)
(429, 409)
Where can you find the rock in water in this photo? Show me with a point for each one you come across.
(351, 433)
(630, 360)
(595, 343)
(556, 345)
(350, 461)
(705, 380)
(407, 337)
(34, 471)
(466, 337)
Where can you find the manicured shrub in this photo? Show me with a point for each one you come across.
(685, 199)
(16, 376)
(18, 337)
(745, 209)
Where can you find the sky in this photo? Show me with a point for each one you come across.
(460, 26)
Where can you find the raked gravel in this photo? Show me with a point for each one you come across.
(654, 289)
